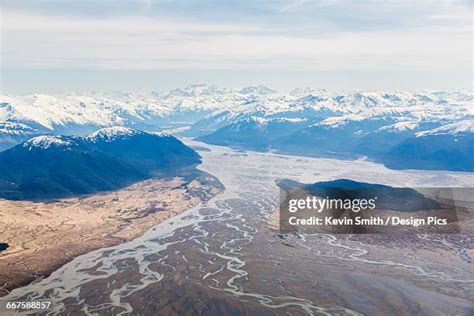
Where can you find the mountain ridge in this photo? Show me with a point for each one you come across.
(49, 167)
(345, 124)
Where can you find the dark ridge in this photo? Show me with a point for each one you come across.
(390, 198)
(87, 165)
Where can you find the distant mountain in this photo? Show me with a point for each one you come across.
(448, 147)
(195, 90)
(306, 121)
(12, 133)
(347, 125)
(256, 132)
(336, 136)
(376, 143)
(299, 92)
(259, 90)
(351, 136)
(271, 106)
(46, 167)
(409, 144)
(211, 122)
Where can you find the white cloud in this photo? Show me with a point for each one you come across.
(139, 42)
(430, 39)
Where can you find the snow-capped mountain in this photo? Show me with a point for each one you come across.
(456, 128)
(445, 107)
(439, 151)
(302, 121)
(81, 114)
(257, 90)
(371, 124)
(256, 132)
(108, 134)
(12, 133)
(52, 166)
(46, 142)
(76, 114)
(147, 150)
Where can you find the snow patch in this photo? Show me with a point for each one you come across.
(111, 133)
(399, 127)
(338, 121)
(45, 142)
(466, 126)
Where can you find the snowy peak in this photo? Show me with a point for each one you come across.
(60, 166)
(81, 114)
(13, 128)
(194, 91)
(338, 121)
(399, 127)
(299, 92)
(45, 142)
(259, 90)
(109, 134)
(466, 126)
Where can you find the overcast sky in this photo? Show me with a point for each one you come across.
(146, 45)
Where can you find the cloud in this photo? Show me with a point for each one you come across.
(292, 5)
(329, 35)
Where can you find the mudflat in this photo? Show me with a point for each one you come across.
(42, 236)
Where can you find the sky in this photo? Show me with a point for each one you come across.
(145, 45)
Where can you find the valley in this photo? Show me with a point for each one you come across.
(136, 235)
(227, 257)
(236, 158)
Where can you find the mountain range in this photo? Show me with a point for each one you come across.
(403, 130)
